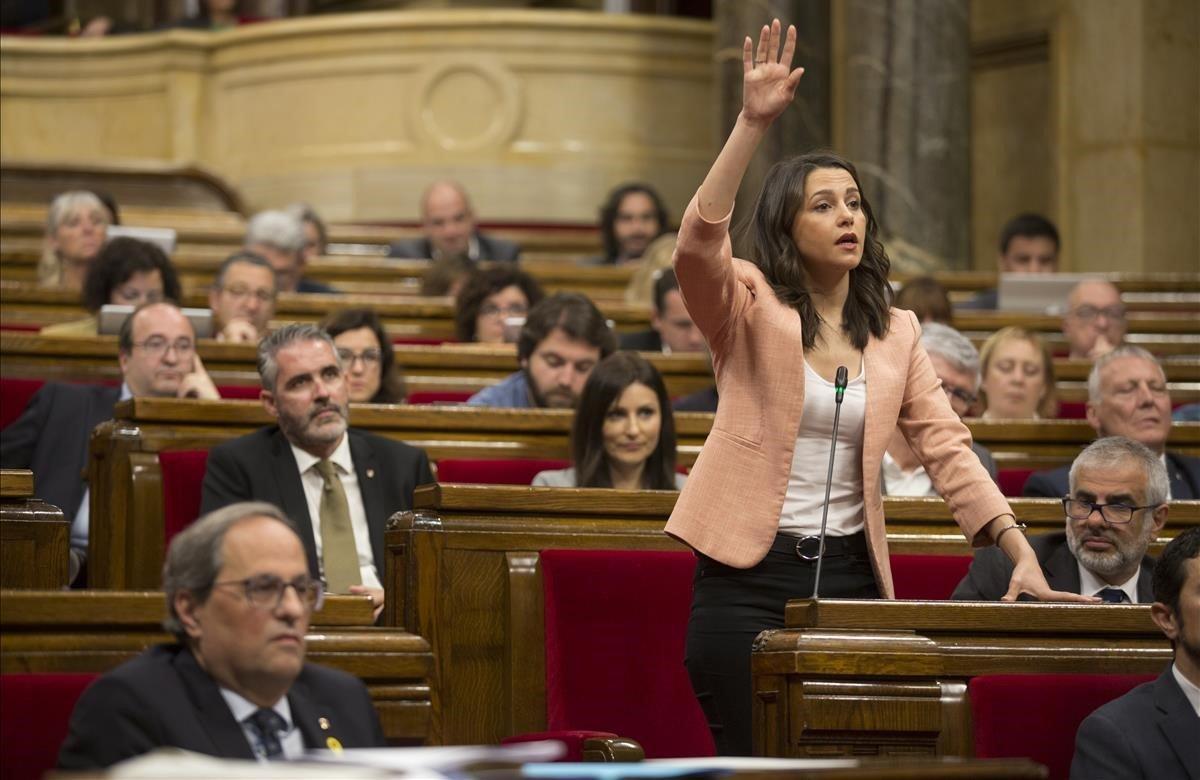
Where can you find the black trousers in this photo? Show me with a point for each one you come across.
(730, 607)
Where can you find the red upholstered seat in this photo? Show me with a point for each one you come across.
(1072, 410)
(35, 710)
(240, 392)
(182, 478)
(14, 395)
(1036, 715)
(928, 577)
(1012, 481)
(511, 471)
(615, 627)
(438, 397)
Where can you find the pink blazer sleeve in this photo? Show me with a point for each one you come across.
(707, 278)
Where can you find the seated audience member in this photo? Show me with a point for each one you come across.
(1018, 376)
(1028, 245)
(633, 216)
(110, 205)
(450, 230)
(76, 223)
(490, 297)
(563, 339)
(157, 355)
(1116, 507)
(214, 15)
(279, 237)
(926, 298)
(671, 327)
(656, 258)
(127, 272)
(446, 276)
(234, 684)
(1128, 396)
(1095, 319)
(338, 484)
(242, 298)
(623, 435)
(956, 364)
(367, 356)
(1150, 732)
(316, 237)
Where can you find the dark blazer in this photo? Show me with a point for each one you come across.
(1182, 470)
(490, 248)
(987, 578)
(307, 285)
(642, 341)
(163, 698)
(51, 439)
(1149, 733)
(260, 467)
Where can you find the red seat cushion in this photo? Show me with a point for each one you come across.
(14, 397)
(1012, 481)
(438, 397)
(1036, 715)
(182, 478)
(615, 627)
(1072, 410)
(35, 710)
(928, 577)
(512, 471)
(240, 392)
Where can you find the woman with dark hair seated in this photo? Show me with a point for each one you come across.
(128, 272)
(488, 299)
(367, 357)
(624, 433)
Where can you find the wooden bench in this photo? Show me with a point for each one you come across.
(34, 536)
(891, 678)
(462, 570)
(94, 631)
(135, 184)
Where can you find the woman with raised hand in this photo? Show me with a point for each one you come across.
(813, 298)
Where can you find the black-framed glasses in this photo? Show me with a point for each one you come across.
(957, 393)
(265, 591)
(157, 346)
(1089, 313)
(1113, 514)
(369, 357)
(511, 310)
(238, 292)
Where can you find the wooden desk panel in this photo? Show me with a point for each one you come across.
(34, 536)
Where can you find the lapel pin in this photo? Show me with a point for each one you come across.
(370, 473)
(333, 744)
(323, 723)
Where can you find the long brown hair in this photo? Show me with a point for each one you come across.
(774, 252)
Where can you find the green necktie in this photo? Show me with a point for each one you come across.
(338, 552)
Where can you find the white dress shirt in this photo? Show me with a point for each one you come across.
(1190, 690)
(314, 485)
(1091, 585)
(242, 708)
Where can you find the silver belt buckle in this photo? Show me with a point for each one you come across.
(804, 539)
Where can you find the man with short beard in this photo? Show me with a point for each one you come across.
(339, 485)
(1115, 508)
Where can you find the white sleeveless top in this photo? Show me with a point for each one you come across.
(801, 513)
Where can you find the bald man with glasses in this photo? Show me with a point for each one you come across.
(1116, 506)
(235, 683)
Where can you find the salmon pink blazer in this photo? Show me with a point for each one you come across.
(729, 509)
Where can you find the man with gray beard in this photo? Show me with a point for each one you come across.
(339, 485)
(1115, 508)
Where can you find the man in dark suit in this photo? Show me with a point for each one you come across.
(1128, 396)
(338, 484)
(450, 230)
(235, 685)
(1117, 506)
(156, 351)
(1150, 733)
(1028, 245)
(279, 237)
(671, 326)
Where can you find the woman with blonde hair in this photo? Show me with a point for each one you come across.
(76, 224)
(1018, 377)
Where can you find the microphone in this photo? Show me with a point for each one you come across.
(839, 388)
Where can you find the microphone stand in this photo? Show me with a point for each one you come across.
(839, 387)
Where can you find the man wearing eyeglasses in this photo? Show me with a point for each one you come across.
(157, 355)
(242, 298)
(1116, 507)
(235, 683)
(1095, 320)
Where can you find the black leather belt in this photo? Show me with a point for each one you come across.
(807, 547)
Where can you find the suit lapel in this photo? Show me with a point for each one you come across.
(1178, 722)
(1181, 486)
(1145, 583)
(228, 739)
(370, 485)
(291, 495)
(1061, 569)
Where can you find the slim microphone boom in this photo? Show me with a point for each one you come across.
(839, 387)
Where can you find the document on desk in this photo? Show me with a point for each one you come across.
(446, 760)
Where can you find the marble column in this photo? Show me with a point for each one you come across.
(902, 93)
(803, 127)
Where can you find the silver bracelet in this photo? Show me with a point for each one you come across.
(1021, 526)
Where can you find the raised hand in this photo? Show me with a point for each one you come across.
(768, 81)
